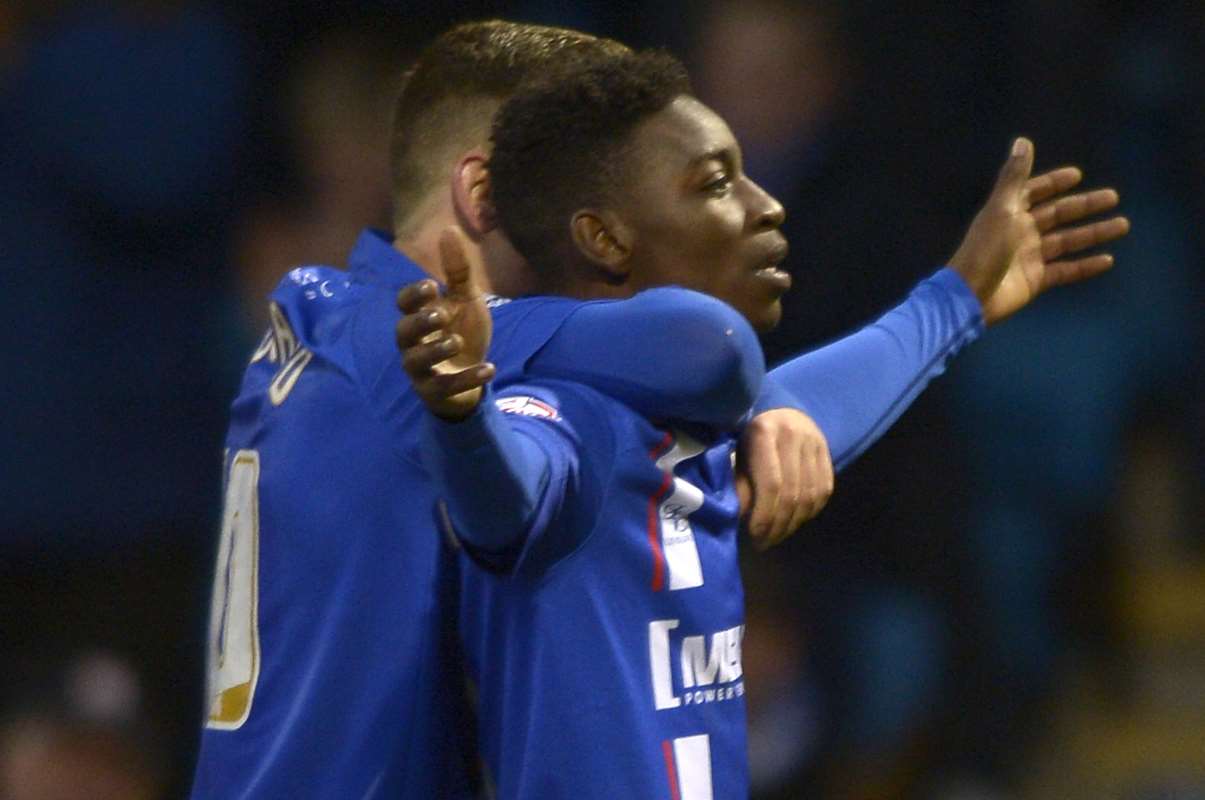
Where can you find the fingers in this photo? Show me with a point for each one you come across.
(790, 494)
(789, 474)
(744, 494)
(818, 484)
(456, 265)
(813, 487)
(1059, 273)
(413, 296)
(418, 324)
(1058, 243)
(1048, 184)
(765, 476)
(451, 384)
(449, 390)
(443, 339)
(1070, 209)
(422, 358)
(1010, 184)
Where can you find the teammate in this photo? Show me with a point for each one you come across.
(332, 666)
(602, 612)
(328, 559)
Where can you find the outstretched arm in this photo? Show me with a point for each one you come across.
(1027, 238)
(857, 386)
(491, 477)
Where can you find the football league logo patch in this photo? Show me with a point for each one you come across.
(526, 406)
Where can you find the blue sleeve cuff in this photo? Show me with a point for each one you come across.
(967, 305)
(462, 436)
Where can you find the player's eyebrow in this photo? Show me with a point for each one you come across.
(721, 154)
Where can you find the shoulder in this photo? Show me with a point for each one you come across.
(523, 326)
(670, 314)
(672, 353)
(313, 300)
(679, 302)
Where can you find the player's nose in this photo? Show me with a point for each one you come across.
(765, 212)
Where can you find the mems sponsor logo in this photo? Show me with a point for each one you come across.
(707, 667)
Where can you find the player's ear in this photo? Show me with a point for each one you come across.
(605, 241)
(471, 193)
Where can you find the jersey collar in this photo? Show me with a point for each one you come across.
(375, 262)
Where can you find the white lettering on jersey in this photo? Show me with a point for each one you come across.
(703, 661)
(659, 660)
(280, 346)
(692, 755)
(233, 662)
(677, 537)
(311, 277)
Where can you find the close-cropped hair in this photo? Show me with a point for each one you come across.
(561, 144)
(449, 97)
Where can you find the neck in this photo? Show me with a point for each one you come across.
(423, 249)
(593, 286)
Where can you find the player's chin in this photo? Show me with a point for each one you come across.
(766, 318)
(763, 313)
(763, 307)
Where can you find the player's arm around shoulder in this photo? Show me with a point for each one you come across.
(505, 466)
(669, 353)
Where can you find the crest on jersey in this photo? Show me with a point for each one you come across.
(527, 406)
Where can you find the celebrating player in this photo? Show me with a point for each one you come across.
(332, 668)
(602, 611)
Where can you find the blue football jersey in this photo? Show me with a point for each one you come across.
(607, 649)
(332, 670)
(608, 653)
(332, 665)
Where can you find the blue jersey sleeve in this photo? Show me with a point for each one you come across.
(856, 387)
(668, 353)
(492, 478)
(513, 476)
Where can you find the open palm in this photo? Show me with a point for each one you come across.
(1018, 245)
(444, 337)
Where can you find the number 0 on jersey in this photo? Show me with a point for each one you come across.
(233, 668)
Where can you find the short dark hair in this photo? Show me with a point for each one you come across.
(559, 146)
(449, 96)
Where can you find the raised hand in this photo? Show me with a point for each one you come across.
(784, 474)
(1017, 245)
(444, 338)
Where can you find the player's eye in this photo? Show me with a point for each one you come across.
(718, 184)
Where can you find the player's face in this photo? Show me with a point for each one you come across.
(697, 220)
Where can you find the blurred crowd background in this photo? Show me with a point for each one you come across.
(1004, 599)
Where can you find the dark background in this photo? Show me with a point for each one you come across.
(1005, 597)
